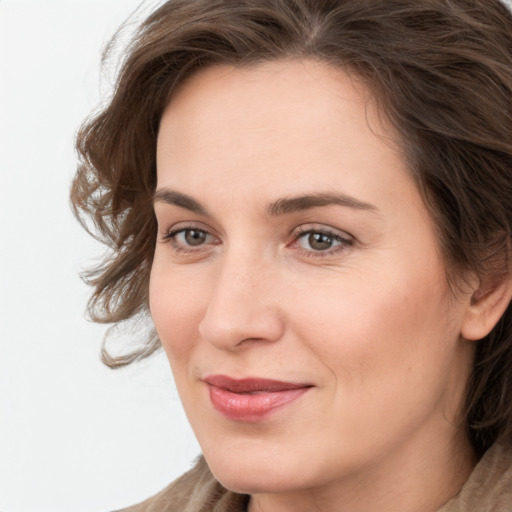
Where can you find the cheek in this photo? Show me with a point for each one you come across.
(176, 305)
(368, 329)
(388, 351)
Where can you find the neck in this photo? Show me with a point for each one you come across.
(412, 480)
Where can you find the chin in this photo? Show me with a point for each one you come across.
(259, 471)
(251, 480)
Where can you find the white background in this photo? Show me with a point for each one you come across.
(74, 435)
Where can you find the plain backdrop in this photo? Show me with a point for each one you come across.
(75, 436)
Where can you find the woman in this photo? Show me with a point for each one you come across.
(313, 200)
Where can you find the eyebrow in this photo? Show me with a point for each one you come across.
(283, 206)
(289, 205)
(172, 197)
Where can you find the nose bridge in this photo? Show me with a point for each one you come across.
(241, 305)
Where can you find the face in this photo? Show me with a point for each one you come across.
(297, 287)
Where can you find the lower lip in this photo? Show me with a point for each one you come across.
(252, 407)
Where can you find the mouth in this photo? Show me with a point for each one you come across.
(252, 399)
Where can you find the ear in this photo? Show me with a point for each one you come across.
(487, 305)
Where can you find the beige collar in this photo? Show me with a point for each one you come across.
(489, 487)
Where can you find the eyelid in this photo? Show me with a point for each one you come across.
(346, 240)
(188, 224)
(321, 228)
(180, 227)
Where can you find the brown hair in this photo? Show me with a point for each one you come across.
(442, 73)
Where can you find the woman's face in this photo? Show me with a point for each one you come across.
(297, 287)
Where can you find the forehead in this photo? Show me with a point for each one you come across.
(268, 83)
(239, 107)
(275, 115)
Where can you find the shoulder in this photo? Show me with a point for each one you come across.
(489, 488)
(195, 491)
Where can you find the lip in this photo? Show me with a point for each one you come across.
(251, 399)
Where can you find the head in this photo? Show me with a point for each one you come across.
(434, 80)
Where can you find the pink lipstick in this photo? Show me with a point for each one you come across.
(252, 399)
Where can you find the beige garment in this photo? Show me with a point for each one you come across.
(488, 489)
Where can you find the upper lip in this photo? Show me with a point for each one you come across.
(251, 384)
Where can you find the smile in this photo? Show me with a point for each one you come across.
(253, 399)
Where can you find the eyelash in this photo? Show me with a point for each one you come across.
(344, 241)
(299, 233)
(170, 238)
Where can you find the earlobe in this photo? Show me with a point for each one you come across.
(487, 305)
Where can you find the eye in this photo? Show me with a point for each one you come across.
(189, 239)
(321, 241)
(318, 241)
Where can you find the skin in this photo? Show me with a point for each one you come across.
(370, 322)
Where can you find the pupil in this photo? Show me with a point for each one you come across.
(320, 241)
(194, 237)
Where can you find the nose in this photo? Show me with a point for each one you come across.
(243, 306)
